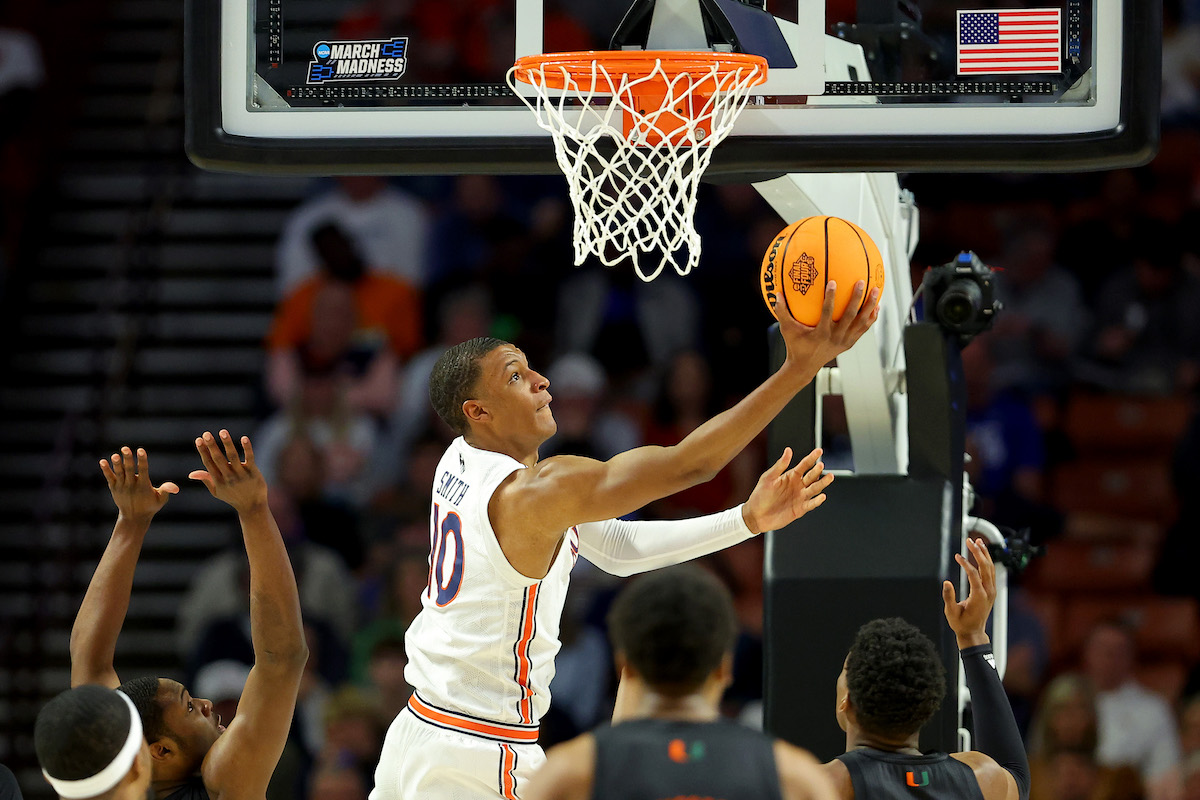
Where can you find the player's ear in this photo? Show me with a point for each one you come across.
(162, 750)
(725, 670)
(473, 411)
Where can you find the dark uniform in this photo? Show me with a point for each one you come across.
(657, 759)
(879, 775)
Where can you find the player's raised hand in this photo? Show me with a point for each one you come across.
(968, 617)
(128, 478)
(811, 348)
(784, 495)
(226, 476)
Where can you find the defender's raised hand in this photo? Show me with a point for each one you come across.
(226, 476)
(137, 499)
(811, 348)
(784, 495)
(968, 618)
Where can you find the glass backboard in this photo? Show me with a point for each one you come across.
(418, 86)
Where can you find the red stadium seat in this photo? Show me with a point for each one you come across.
(1165, 627)
(1105, 423)
(1119, 487)
(1088, 566)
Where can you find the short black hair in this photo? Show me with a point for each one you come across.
(144, 694)
(80, 732)
(895, 677)
(674, 626)
(454, 377)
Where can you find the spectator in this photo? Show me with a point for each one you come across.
(353, 733)
(1062, 748)
(1191, 777)
(1147, 331)
(587, 425)
(1181, 66)
(1135, 726)
(385, 671)
(300, 473)
(219, 592)
(389, 227)
(347, 317)
(1004, 442)
(337, 783)
(343, 439)
(1044, 319)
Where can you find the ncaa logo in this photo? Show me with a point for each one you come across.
(321, 51)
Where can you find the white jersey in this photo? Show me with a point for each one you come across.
(481, 652)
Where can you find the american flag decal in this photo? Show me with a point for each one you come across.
(1010, 41)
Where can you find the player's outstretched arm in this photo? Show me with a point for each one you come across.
(242, 760)
(567, 774)
(781, 497)
(102, 613)
(999, 761)
(564, 490)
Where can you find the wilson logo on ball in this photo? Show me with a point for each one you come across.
(803, 273)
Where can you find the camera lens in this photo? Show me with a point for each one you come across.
(960, 303)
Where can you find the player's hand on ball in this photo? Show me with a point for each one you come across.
(811, 348)
(968, 617)
(129, 481)
(230, 479)
(784, 495)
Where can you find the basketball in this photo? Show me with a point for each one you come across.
(806, 255)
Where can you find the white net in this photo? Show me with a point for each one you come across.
(633, 164)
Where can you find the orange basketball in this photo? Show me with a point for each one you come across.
(807, 255)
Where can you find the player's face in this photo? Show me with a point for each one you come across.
(192, 722)
(516, 395)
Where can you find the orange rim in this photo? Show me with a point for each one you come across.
(537, 69)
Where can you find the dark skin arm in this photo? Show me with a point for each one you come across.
(242, 760)
(102, 613)
(968, 620)
(532, 507)
(801, 776)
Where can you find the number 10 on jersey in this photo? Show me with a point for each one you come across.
(445, 556)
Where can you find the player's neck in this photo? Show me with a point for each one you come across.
(689, 708)
(518, 451)
(907, 745)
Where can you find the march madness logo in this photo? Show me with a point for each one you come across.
(803, 273)
(367, 60)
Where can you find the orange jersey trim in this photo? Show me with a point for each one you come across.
(524, 666)
(508, 781)
(477, 727)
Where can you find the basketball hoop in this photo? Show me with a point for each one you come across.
(633, 133)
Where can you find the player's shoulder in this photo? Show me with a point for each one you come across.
(995, 781)
(569, 771)
(801, 775)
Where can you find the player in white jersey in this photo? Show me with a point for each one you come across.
(506, 528)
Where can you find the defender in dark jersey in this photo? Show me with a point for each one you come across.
(673, 633)
(192, 756)
(892, 682)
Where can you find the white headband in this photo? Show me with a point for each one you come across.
(111, 775)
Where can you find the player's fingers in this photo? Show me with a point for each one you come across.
(204, 477)
(814, 474)
(869, 310)
(827, 305)
(206, 458)
(130, 464)
(106, 469)
(143, 462)
(813, 503)
(973, 577)
(987, 568)
(118, 468)
(948, 595)
(231, 453)
(819, 486)
(220, 464)
(248, 449)
(170, 487)
(781, 464)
